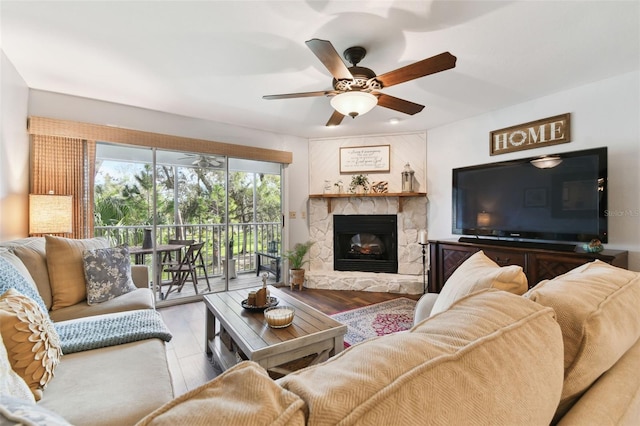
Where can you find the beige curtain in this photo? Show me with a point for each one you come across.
(66, 166)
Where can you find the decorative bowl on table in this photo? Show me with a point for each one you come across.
(279, 316)
(271, 301)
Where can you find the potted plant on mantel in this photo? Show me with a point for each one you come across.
(296, 261)
(359, 184)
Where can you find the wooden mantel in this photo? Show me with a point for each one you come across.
(399, 195)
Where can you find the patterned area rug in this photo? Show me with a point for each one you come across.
(376, 320)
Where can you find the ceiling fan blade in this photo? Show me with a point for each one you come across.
(300, 95)
(327, 54)
(441, 62)
(398, 104)
(335, 119)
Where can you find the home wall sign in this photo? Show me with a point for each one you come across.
(534, 134)
(358, 159)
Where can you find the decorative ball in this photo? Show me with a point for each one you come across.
(594, 246)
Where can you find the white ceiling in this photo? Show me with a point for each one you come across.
(215, 59)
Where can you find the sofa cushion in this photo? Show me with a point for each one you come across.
(31, 340)
(31, 252)
(11, 383)
(141, 298)
(107, 273)
(16, 411)
(614, 399)
(13, 274)
(242, 395)
(466, 365)
(477, 273)
(597, 309)
(117, 385)
(66, 270)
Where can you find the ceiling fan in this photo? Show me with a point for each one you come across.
(204, 161)
(356, 89)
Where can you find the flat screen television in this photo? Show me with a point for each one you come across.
(517, 201)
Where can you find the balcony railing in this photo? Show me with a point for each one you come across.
(245, 240)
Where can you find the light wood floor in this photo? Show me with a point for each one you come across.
(190, 367)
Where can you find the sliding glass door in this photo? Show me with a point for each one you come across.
(232, 207)
(255, 220)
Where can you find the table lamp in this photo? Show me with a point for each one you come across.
(50, 214)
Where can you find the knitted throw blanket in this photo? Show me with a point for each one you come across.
(111, 329)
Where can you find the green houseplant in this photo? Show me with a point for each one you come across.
(359, 183)
(296, 258)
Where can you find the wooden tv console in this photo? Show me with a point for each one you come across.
(538, 263)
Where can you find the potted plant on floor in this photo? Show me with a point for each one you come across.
(296, 261)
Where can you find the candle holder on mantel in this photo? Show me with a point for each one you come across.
(407, 178)
(422, 240)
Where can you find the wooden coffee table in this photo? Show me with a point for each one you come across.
(243, 334)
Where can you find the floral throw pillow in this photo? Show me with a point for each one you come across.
(107, 273)
(32, 343)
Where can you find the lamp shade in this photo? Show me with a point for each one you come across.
(354, 103)
(50, 214)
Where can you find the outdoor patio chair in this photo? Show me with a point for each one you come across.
(186, 270)
(168, 257)
(200, 264)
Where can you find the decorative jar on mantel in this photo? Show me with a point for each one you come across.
(327, 187)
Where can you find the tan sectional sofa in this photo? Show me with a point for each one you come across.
(111, 385)
(566, 353)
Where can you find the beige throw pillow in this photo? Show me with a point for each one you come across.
(34, 258)
(31, 340)
(477, 273)
(66, 268)
(597, 308)
(242, 395)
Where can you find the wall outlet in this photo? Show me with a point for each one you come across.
(292, 215)
(303, 215)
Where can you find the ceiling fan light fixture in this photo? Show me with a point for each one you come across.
(354, 103)
(546, 162)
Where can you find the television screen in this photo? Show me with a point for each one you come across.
(519, 201)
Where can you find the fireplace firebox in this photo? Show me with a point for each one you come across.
(367, 243)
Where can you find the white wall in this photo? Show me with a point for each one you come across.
(14, 153)
(605, 113)
(324, 160)
(47, 104)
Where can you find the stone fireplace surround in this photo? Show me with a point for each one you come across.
(411, 220)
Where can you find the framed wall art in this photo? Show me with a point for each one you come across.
(534, 134)
(364, 159)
